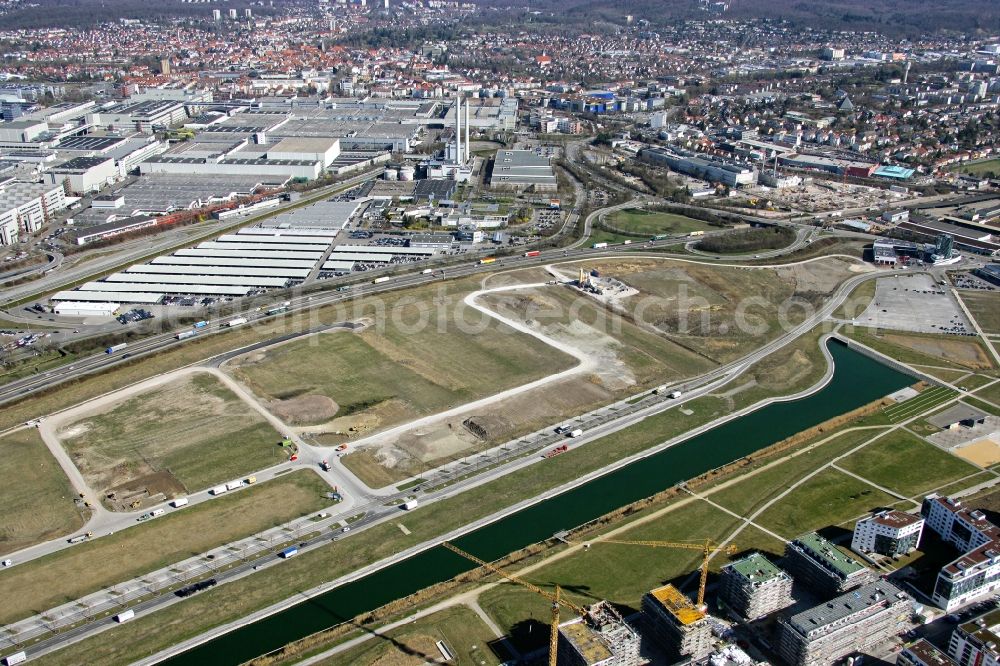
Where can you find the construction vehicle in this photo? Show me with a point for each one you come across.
(707, 547)
(556, 598)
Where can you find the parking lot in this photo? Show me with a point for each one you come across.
(914, 303)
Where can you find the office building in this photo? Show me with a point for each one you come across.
(943, 246)
(754, 587)
(602, 638)
(706, 167)
(25, 207)
(853, 622)
(822, 567)
(84, 174)
(676, 623)
(922, 653)
(890, 533)
(977, 642)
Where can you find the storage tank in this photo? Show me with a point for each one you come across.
(407, 173)
(391, 174)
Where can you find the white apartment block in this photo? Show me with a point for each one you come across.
(889, 533)
(977, 572)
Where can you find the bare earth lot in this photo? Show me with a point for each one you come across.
(184, 436)
(36, 497)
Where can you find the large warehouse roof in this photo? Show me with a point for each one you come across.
(269, 255)
(212, 245)
(259, 231)
(361, 256)
(234, 271)
(144, 278)
(378, 249)
(338, 266)
(321, 215)
(232, 262)
(286, 239)
(107, 296)
(110, 289)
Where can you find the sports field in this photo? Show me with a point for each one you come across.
(37, 499)
(983, 168)
(185, 435)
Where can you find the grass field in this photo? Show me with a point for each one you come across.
(751, 493)
(888, 462)
(462, 631)
(71, 573)
(37, 499)
(640, 223)
(829, 498)
(926, 349)
(193, 430)
(985, 307)
(926, 401)
(413, 361)
(991, 393)
(979, 168)
(857, 302)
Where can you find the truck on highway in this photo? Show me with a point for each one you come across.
(116, 348)
(533, 253)
(598, 246)
(626, 242)
(660, 237)
(124, 616)
(16, 658)
(380, 280)
(200, 324)
(233, 485)
(179, 502)
(696, 233)
(279, 308)
(675, 395)
(185, 335)
(576, 433)
(250, 480)
(487, 260)
(80, 537)
(218, 490)
(291, 551)
(409, 505)
(427, 271)
(236, 322)
(325, 466)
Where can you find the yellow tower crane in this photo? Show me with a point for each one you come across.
(556, 598)
(707, 547)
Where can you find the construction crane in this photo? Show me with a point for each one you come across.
(556, 598)
(707, 547)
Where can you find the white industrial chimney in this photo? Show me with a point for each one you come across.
(458, 129)
(468, 153)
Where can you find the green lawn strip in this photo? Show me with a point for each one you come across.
(463, 632)
(947, 375)
(751, 493)
(926, 401)
(829, 498)
(974, 382)
(991, 393)
(37, 498)
(867, 337)
(857, 302)
(964, 484)
(890, 463)
(68, 574)
(979, 404)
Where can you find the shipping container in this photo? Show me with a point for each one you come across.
(200, 324)
(179, 502)
(237, 321)
(185, 335)
(218, 490)
(598, 246)
(533, 253)
(125, 616)
(115, 348)
(289, 552)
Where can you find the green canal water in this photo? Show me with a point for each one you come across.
(857, 380)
